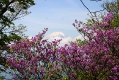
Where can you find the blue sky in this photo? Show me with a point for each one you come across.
(57, 15)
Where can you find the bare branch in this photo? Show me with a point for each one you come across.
(90, 11)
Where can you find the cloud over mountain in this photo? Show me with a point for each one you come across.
(59, 35)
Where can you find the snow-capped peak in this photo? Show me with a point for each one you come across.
(57, 34)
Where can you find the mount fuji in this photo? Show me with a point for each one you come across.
(59, 35)
(56, 35)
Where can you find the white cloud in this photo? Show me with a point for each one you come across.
(65, 41)
(29, 37)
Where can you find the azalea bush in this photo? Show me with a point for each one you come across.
(34, 58)
(102, 49)
(97, 59)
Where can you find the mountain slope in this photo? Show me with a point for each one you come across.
(59, 35)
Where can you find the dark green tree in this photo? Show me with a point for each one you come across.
(11, 10)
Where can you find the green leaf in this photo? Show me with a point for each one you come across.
(65, 77)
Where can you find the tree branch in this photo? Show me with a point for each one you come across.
(89, 9)
(6, 8)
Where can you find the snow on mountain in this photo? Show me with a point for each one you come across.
(59, 35)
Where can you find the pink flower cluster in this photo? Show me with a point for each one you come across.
(106, 20)
(41, 59)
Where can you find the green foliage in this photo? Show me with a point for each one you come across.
(115, 22)
(9, 6)
(11, 10)
(2, 78)
(79, 42)
(112, 6)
